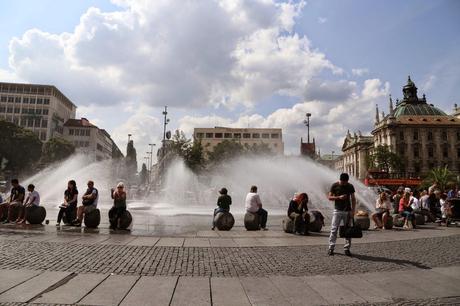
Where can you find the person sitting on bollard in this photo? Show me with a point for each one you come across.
(89, 203)
(253, 205)
(70, 203)
(396, 198)
(424, 206)
(119, 206)
(298, 211)
(16, 198)
(223, 204)
(406, 211)
(382, 211)
(32, 199)
(446, 210)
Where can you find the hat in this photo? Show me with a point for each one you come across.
(407, 189)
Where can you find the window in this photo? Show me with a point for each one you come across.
(415, 135)
(228, 135)
(45, 112)
(16, 121)
(275, 136)
(445, 152)
(87, 132)
(44, 123)
(265, 136)
(77, 132)
(71, 132)
(37, 123)
(17, 100)
(256, 135)
(199, 135)
(209, 135)
(39, 101)
(30, 122)
(10, 99)
(2, 109)
(9, 110)
(32, 101)
(246, 135)
(99, 147)
(237, 135)
(43, 136)
(430, 135)
(458, 135)
(3, 99)
(416, 154)
(17, 110)
(218, 135)
(25, 100)
(38, 111)
(46, 101)
(458, 152)
(86, 143)
(401, 135)
(444, 135)
(430, 152)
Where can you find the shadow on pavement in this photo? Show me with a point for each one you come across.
(400, 262)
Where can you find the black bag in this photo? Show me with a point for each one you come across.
(354, 231)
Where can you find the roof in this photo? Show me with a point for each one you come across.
(79, 123)
(417, 109)
(429, 120)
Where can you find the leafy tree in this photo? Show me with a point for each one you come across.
(385, 160)
(143, 175)
(225, 150)
(179, 143)
(442, 176)
(194, 155)
(131, 160)
(56, 149)
(258, 149)
(20, 148)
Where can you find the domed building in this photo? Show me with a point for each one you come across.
(422, 134)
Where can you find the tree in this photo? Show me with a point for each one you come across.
(20, 148)
(225, 150)
(131, 160)
(143, 175)
(258, 149)
(385, 160)
(56, 149)
(179, 143)
(194, 155)
(442, 176)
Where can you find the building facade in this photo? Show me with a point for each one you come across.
(424, 136)
(211, 137)
(89, 139)
(42, 109)
(354, 160)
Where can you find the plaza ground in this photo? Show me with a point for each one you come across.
(197, 266)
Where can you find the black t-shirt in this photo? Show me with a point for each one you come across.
(294, 208)
(16, 192)
(69, 194)
(224, 201)
(337, 190)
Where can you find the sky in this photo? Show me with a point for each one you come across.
(236, 63)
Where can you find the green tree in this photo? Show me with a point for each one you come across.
(143, 175)
(179, 144)
(194, 155)
(385, 160)
(56, 149)
(258, 149)
(20, 148)
(443, 176)
(131, 160)
(226, 150)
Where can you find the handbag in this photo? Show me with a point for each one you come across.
(353, 231)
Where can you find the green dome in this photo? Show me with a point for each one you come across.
(417, 109)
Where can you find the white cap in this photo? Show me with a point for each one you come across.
(407, 189)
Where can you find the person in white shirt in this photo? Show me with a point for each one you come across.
(32, 199)
(382, 211)
(254, 205)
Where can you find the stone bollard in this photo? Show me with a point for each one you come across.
(398, 220)
(288, 225)
(316, 221)
(419, 219)
(67, 219)
(389, 224)
(363, 221)
(14, 210)
(251, 221)
(126, 220)
(224, 221)
(36, 214)
(92, 218)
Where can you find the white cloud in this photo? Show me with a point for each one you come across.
(428, 83)
(322, 20)
(359, 71)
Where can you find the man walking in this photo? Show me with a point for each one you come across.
(343, 194)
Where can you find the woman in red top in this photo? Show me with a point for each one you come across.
(406, 211)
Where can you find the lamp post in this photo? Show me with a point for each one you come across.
(307, 123)
(151, 156)
(147, 159)
(129, 137)
(166, 121)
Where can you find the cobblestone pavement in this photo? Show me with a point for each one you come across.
(224, 262)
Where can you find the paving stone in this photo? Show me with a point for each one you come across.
(174, 242)
(207, 234)
(332, 291)
(453, 272)
(151, 290)
(192, 291)
(11, 278)
(34, 286)
(296, 291)
(118, 239)
(72, 291)
(222, 242)
(363, 288)
(398, 286)
(111, 291)
(261, 291)
(197, 242)
(228, 292)
(144, 241)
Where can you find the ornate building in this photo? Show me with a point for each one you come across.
(423, 135)
(356, 149)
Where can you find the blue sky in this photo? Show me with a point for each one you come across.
(196, 61)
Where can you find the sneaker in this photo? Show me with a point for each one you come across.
(330, 252)
(348, 253)
(58, 224)
(264, 229)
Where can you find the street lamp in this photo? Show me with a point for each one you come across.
(307, 123)
(129, 137)
(166, 121)
(151, 155)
